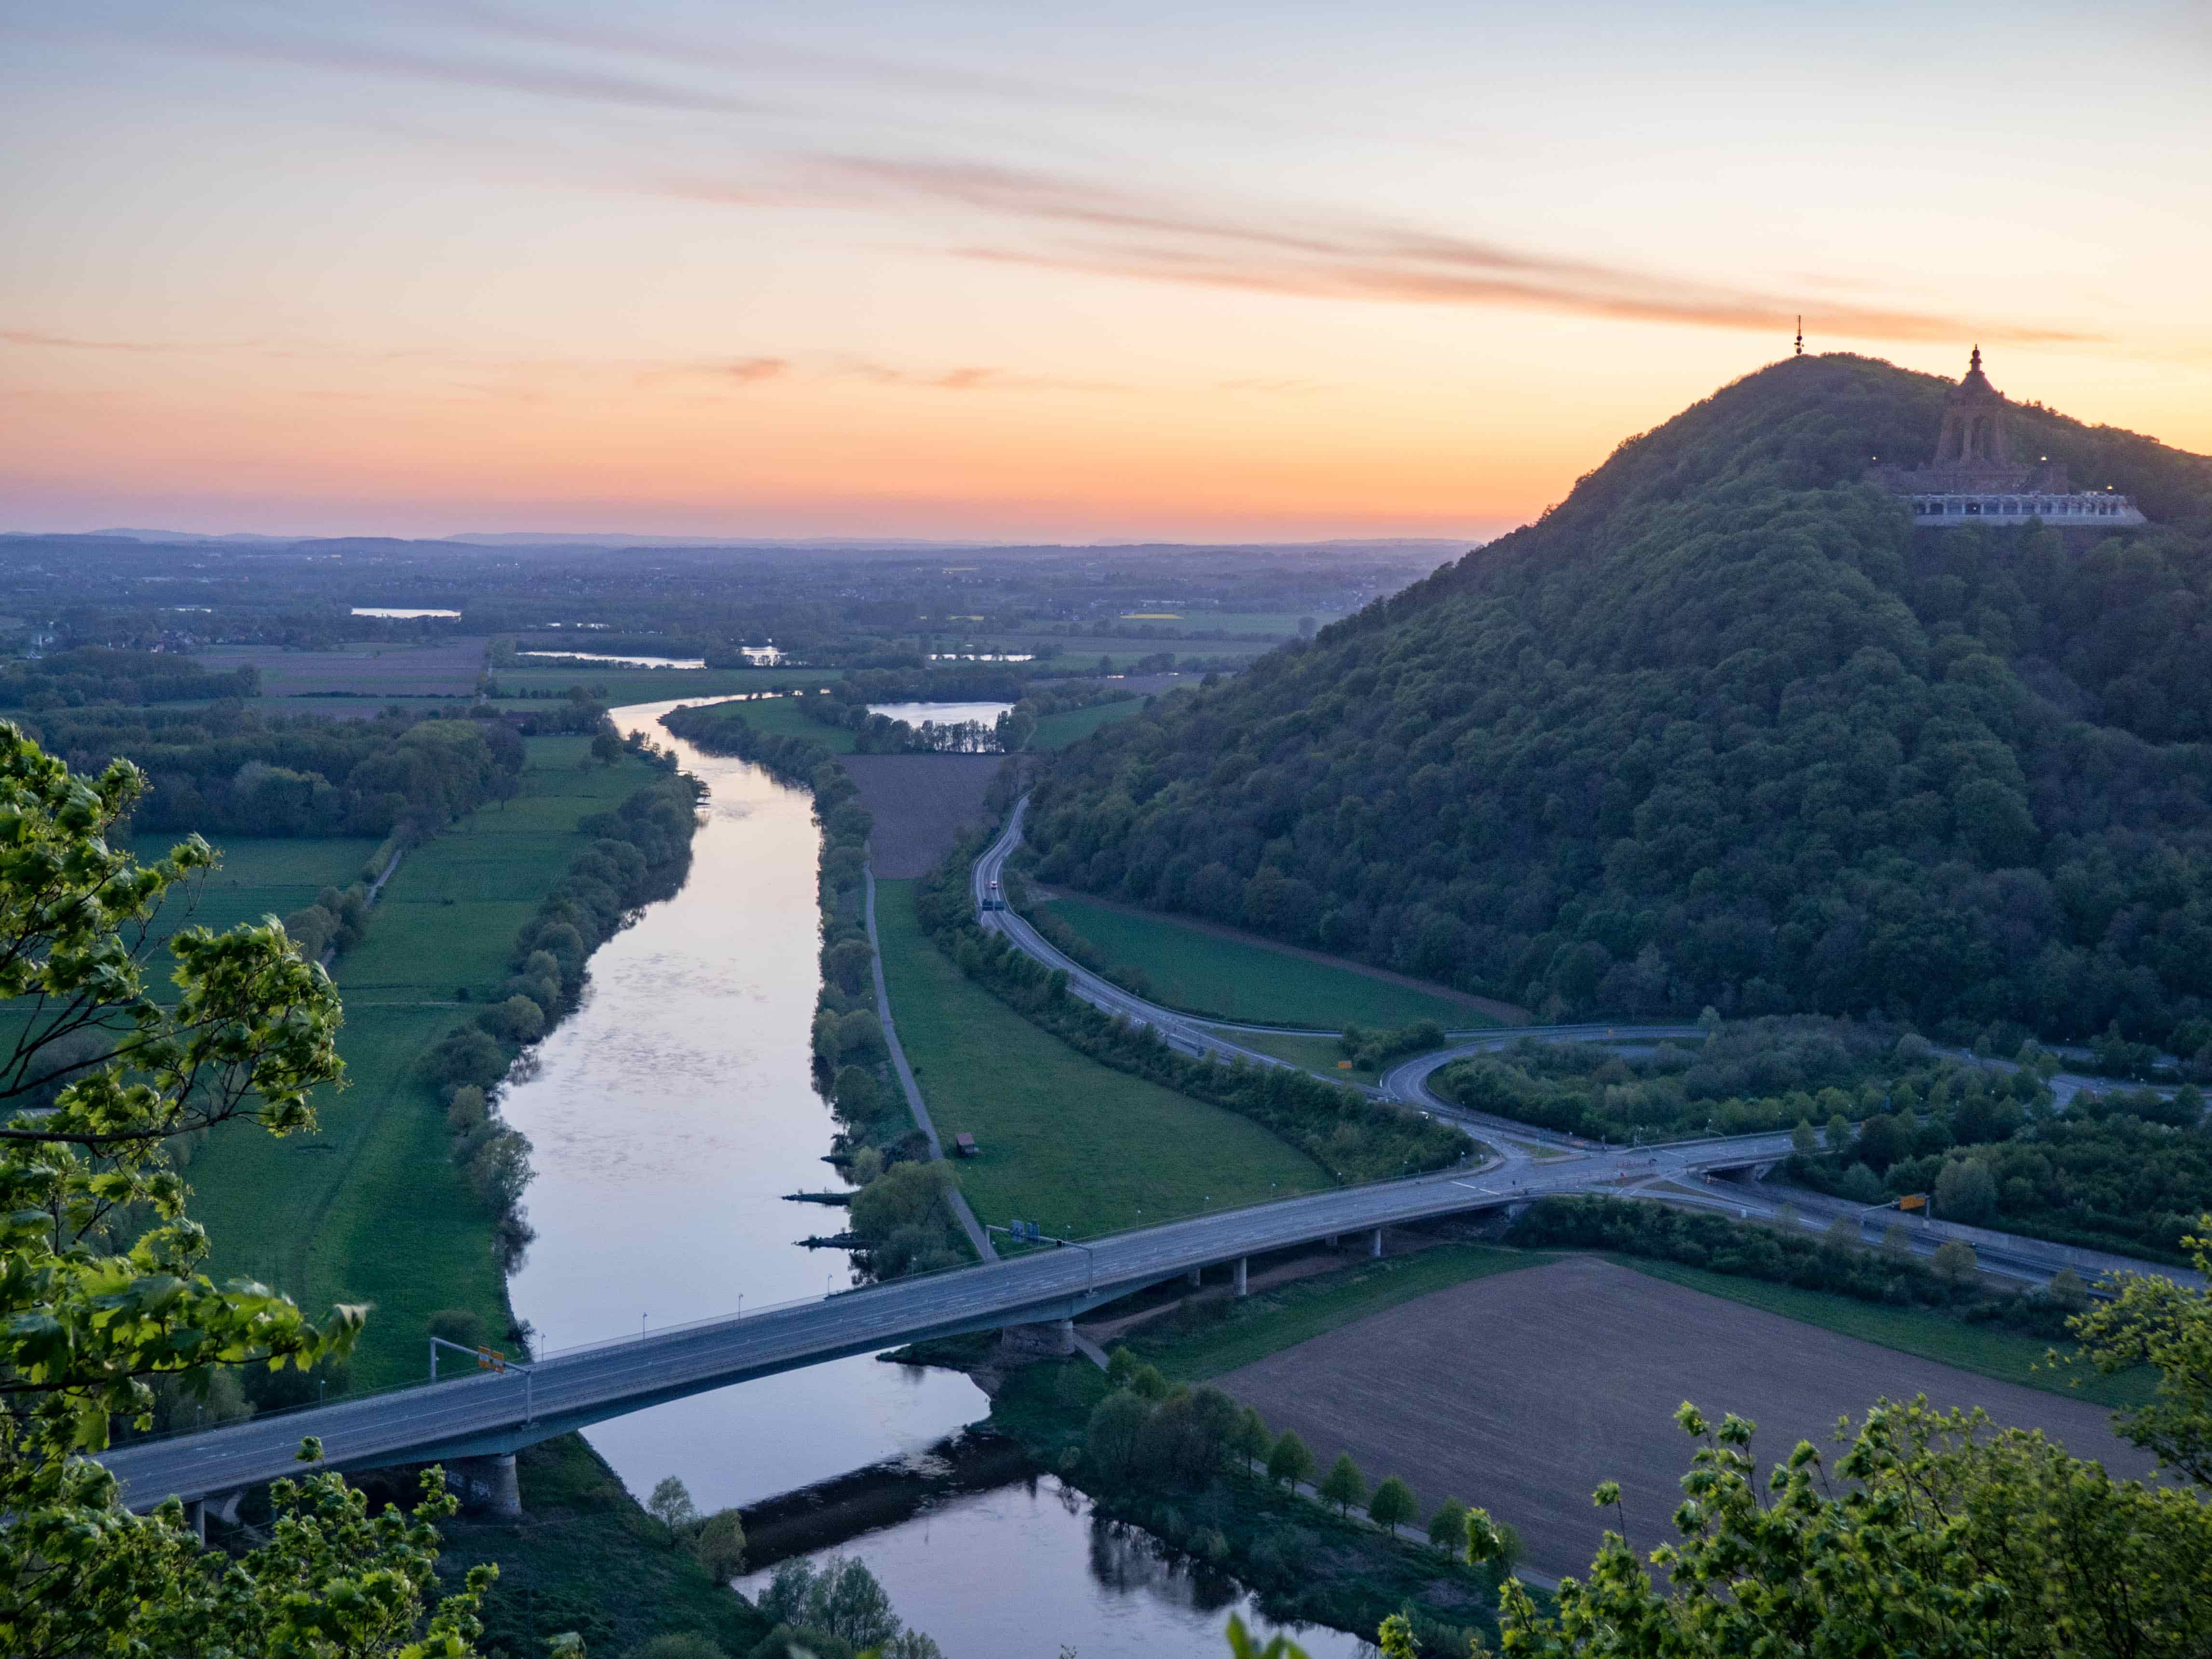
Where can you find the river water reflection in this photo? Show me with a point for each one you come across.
(670, 1115)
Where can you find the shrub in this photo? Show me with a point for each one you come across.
(1343, 1486)
(679, 1644)
(468, 1054)
(460, 1325)
(720, 1545)
(1393, 1504)
(519, 1019)
(1448, 1527)
(1109, 1438)
(1291, 1462)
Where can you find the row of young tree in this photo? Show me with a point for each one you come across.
(1722, 729)
(1151, 1430)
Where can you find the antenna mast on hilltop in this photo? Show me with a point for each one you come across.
(1801, 336)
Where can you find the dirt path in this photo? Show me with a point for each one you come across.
(1522, 1391)
(1506, 1013)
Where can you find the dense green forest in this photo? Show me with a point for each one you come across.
(1722, 728)
(93, 674)
(230, 770)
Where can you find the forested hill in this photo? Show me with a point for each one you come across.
(1723, 728)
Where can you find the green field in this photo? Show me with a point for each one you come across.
(1315, 1054)
(1058, 731)
(1080, 656)
(585, 1557)
(2007, 1356)
(1064, 1140)
(258, 876)
(369, 1208)
(1270, 1321)
(1231, 979)
(784, 718)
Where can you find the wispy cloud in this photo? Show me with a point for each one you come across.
(483, 73)
(24, 336)
(755, 369)
(1130, 233)
(970, 379)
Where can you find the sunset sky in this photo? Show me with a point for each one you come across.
(1047, 272)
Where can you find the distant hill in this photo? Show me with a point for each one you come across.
(1723, 728)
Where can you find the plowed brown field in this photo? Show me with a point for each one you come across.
(1522, 1391)
(920, 804)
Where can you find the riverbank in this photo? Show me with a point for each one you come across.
(1306, 1563)
(371, 1207)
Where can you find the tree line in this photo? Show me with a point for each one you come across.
(91, 674)
(640, 853)
(228, 770)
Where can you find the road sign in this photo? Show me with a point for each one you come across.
(1913, 1201)
(490, 1359)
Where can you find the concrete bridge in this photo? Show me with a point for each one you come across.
(491, 1416)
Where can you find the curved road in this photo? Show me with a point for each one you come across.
(486, 1414)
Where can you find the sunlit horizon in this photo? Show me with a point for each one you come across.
(937, 271)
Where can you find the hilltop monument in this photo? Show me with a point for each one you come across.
(1974, 478)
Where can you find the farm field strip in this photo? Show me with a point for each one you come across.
(1236, 979)
(1521, 1391)
(370, 1207)
(1063, 1140)
(1056, 731)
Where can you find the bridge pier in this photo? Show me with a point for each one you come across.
(493, 1482)
(1240, 1274)
(196, 1518)
(1374, 1244)
(1760, 1171)
(1329, 1243)
(1052, 1339)
(1195, 1275)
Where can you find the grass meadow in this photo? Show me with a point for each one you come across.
(1059, 731)
(1247, 980)
(1064, 1141)
(369, 1208)
(1985, 1350)
(258, 876)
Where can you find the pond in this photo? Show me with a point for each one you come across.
(942, 714)
(624, 661)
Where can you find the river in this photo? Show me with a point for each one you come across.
(671, 1112)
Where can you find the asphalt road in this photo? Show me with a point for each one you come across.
(480, 1414)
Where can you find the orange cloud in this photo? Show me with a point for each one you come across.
(1156, 238)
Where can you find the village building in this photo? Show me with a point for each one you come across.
(1974, 478)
